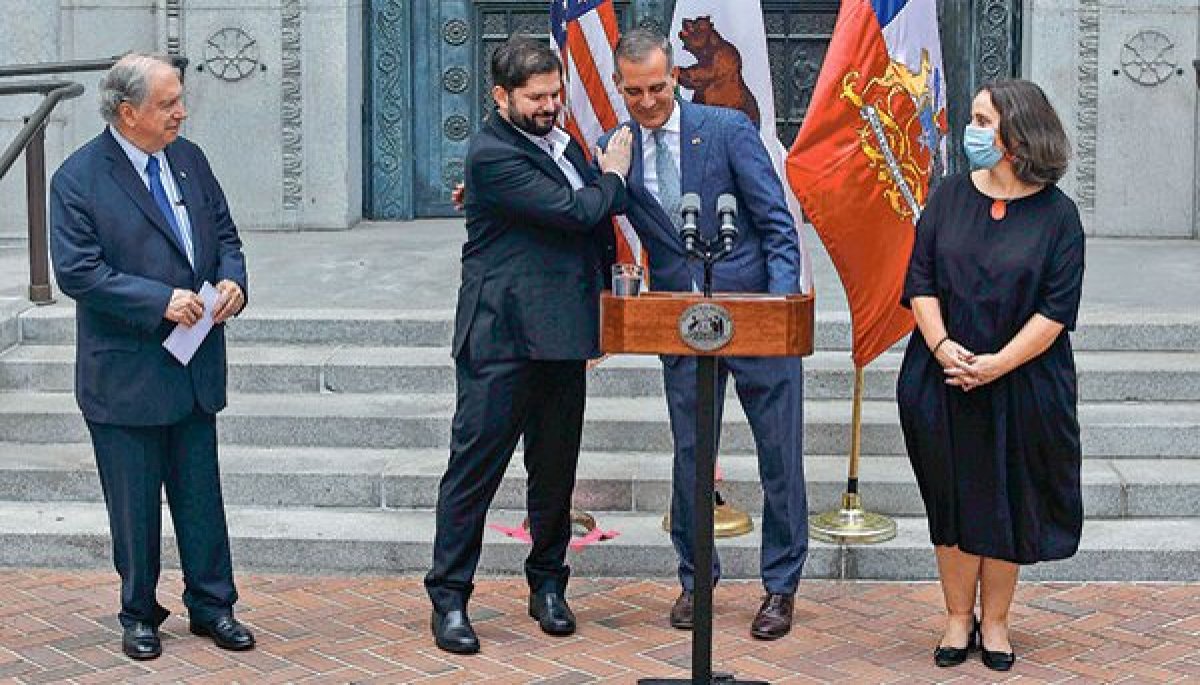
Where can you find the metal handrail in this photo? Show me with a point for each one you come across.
(55, 92)
(73, 66)
(32, 139)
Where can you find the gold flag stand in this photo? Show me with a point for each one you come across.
(851, 524)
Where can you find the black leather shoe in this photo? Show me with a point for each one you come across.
(140, 641)
(452, 632)
(997, 661)
(226, 632)
(774, 617)
(953, 656)
(552, 613)
(682, 613)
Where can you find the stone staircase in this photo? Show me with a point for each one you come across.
(338, 422)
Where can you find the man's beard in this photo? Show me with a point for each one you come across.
(530, 125)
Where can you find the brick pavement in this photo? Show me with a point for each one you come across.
(58, 626)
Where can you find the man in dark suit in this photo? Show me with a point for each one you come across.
(680, 147)
(138, 225)
(538, 241)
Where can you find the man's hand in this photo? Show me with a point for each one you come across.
(619, 153)
(459, 196)
(230, 302)
(185, 307)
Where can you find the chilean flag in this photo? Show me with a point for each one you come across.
(872, 140)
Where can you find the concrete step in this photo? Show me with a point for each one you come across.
(1103, 376)
(76, 535)
(1109, 329)
(638, 424)
(628, 482)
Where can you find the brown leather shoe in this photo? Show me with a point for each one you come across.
(774, 618)
(681, 612)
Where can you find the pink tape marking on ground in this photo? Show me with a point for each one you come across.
(594, 535)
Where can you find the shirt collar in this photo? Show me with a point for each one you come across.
(136, 155)
(554, 143)
(671, 125)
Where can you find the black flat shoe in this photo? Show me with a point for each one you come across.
(998, 661)
(452, 632)
(945, 657)
(140, 641)
(226, 632)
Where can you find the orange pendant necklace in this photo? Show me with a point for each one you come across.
(999, 209)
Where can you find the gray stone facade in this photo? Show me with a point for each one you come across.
(1121, 76)
(275, 91)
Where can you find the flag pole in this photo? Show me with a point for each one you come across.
(851, 524)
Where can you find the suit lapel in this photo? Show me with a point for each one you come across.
(693, 148)
(130, 181)
(185, 180)
(507, 131)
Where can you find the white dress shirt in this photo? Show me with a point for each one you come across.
(650, 150)
(139, 159)
(555, 144)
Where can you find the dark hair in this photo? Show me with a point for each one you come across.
(637, 45)
(519, 58)
(1031, 130)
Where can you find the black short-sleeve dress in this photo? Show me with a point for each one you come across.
(998, 467)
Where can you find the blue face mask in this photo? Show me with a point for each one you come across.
(979, 142)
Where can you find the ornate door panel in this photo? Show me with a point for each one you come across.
(428, 85)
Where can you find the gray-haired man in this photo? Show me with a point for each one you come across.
(138, 225)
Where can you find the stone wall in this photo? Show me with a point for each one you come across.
(273, 91)
(1121, 76)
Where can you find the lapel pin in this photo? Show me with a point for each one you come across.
(696, 141)
(183, 174)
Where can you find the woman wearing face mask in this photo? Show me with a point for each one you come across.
(987, 388)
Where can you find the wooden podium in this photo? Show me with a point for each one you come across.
(723, 325)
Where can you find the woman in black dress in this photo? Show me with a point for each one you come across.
(987, 388)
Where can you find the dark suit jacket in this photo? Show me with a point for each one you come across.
(536, 253)
(720, 152)
(115, 255)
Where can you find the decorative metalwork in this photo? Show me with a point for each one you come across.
(994, 56)
(456, 32)
(174, 26)
(651, 14)
(390, 173)
(230, 54)
(293, 105)
(456, 127)
(453, 172)
(797, 39)
(1087, 98)
(456, 80)
(1147, 58)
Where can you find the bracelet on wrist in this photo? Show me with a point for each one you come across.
(939, 344)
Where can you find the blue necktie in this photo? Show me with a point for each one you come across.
(668, 177)
(164, 205)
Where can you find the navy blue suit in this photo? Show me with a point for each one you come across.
(152, 419)
(721, 152)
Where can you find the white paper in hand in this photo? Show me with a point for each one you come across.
(183, 342)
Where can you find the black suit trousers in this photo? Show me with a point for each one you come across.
(135, 463)
(498, 403)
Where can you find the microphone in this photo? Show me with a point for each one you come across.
(727, 210)
(689, 208)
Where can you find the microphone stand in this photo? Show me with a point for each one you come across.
(708, 426)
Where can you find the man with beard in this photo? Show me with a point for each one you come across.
(539, 240)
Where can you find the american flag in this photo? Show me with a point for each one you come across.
(585, 33)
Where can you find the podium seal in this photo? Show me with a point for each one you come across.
(706, 327)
